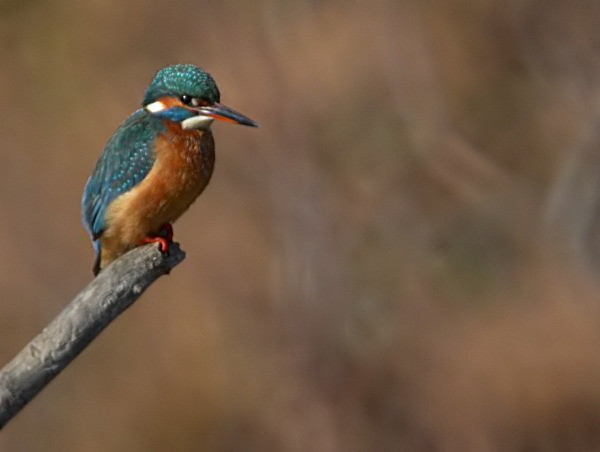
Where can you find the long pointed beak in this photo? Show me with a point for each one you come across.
(223, 113)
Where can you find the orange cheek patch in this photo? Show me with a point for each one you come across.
(170, 102)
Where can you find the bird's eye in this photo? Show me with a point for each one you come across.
(190, 100)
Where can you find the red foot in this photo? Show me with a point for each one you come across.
(163, 243)
(163, 240)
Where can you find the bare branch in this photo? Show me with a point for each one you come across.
(107, 296)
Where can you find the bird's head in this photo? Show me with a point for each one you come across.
(186, 94)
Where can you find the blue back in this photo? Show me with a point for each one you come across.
(127, 159)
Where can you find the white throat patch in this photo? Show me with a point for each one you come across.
(197, 122)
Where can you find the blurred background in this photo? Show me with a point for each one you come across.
(403, 257)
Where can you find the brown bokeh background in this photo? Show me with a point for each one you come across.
(403, 257)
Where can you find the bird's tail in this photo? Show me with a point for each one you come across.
(96, 267)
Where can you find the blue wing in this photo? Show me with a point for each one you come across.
(125, 162)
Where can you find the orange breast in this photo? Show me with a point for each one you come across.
(183, 167)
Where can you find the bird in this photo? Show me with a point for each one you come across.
(156, 164)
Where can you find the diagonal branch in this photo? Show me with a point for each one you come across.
(107, 296)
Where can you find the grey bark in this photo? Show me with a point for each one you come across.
(108, 295)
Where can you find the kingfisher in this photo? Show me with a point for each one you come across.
(156, 163)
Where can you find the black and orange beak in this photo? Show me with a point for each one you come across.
(223, 113)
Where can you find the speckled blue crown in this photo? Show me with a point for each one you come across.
(181, 79)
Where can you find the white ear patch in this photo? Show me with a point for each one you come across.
(197, 122)
(155, 107)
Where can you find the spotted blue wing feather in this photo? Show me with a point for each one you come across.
(125, 162)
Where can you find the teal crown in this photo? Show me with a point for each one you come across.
(180, 79)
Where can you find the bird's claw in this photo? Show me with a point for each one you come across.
(163, 244)
(164, 238)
